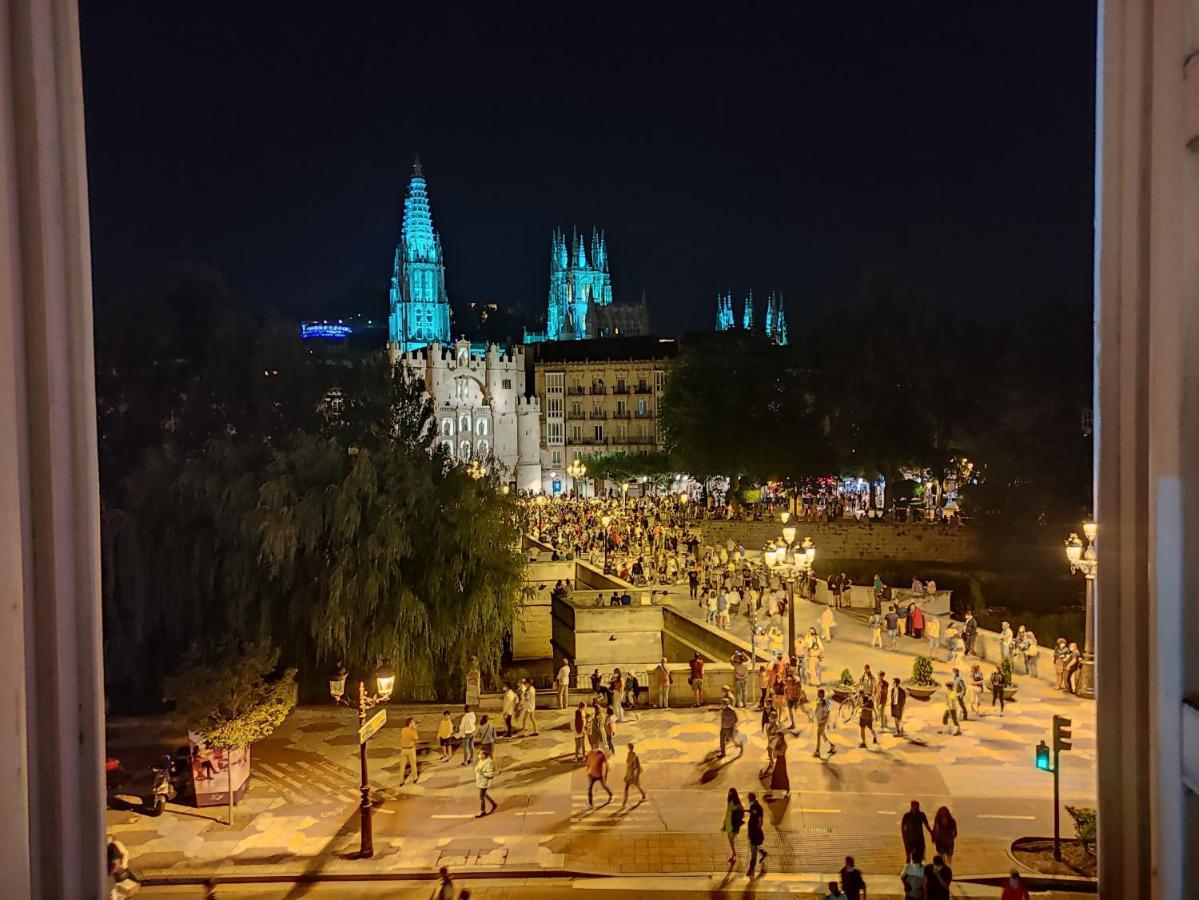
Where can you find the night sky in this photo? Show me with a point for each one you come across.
(943, 147)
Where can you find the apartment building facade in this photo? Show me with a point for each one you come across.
(598, 396)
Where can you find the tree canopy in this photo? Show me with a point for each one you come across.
(270, 495)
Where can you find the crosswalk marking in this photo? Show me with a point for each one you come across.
(989, 816)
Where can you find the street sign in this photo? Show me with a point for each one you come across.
(367, 731)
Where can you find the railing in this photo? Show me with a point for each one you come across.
(648, 414)
(642, 389)
(621, 414)
(576, 414)
(620, 389)
(577, 391)
(598, 389)
(598, 415)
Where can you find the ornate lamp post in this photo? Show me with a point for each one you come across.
(684, 499)
(1085, 559)
(605, 520)
(790, 562)
(576, 470)
(385, 679)
(541, 501)
(476, 469)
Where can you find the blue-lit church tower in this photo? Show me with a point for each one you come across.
(577, 284)
(420, 309)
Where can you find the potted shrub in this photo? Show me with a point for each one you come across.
(1009, 683)
(845, 686)
(922, 684)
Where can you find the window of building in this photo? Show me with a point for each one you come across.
(659, 381)
(576, 433)
(599, 434)
(553, 408)
(506, 384)
(642, 408)
(553, 433)
(556, 458)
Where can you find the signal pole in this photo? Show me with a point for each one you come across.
(1061, 741)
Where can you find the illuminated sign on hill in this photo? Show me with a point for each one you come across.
(336, 331)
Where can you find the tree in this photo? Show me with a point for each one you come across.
(234, 698)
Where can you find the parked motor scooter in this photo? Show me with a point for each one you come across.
(163, 788)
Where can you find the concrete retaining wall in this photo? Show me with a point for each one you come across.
(852, 540)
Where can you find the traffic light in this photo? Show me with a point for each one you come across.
(1061, 734)
(1043, 757)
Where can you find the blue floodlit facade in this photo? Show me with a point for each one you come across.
(420, 309)
(774, 326)
(577, 280)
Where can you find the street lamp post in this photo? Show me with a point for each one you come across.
(541, 501)
(385, 679)
(790, 562)
(475, 469)
(1085, 559)
(576, 470)
(605, 521)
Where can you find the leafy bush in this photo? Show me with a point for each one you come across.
(922, 672)
(1085, 823)
(846, 678)
(1006, 668)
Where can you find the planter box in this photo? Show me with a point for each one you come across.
(920, 691)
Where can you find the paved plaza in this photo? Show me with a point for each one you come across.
(300, 816)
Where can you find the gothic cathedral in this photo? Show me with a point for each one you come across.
(420, 310)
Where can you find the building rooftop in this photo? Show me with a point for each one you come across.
(605, 349)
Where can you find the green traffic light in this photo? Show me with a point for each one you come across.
(1043, 757)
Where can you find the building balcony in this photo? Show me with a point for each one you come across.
(648, 414)
(622, 414)
(577, 390)
(576, 414)
(620, 389)
(642, 389)
(598, 390)
(639, 440)
(598, 415)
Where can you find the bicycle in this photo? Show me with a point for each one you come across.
(848, 709)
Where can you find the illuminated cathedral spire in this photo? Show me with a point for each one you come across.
(420, 309)
(576, 284)
(724, 312)
(776, 320)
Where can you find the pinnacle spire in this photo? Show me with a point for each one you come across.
(417, 172)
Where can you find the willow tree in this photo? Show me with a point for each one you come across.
(378, 549)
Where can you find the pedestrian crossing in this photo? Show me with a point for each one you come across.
(308, 782)
(636, 816)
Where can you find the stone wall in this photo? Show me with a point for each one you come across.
(605, 637)
(852, 540)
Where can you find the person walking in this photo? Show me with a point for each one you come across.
(756, 836)
(779, 778)
(740, 663)
(969, 633)
(764, 682)
(663, 680)
(632, 775)
(579, 729)
(959, 688)
(696, 679)
(734, 816)
(1006, 639)
(827, 623)
(882, 699)
(876, 630)
(445, 885)
(484, 775)
(937, 879)
(597, 771)
(916, 621)
(1014, 888)
(528, 704)
(891, 623)
(997, 685)
(951, 709)
(610, 732)
(820, 713)
(852, 882)
(616, 686)
(866, 716)
(485, 736)
(445, 730)
(595, 727)
(508, 708)
(911, 828)
(728, 723)
(977, 685)
(466, 731)
(562, 683)
(899, 699)
(945, 833)
(409, 737)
